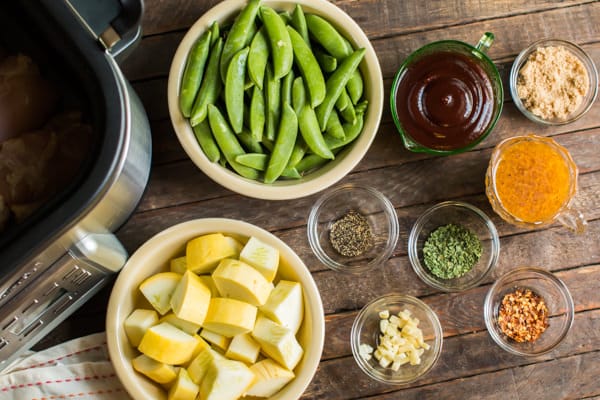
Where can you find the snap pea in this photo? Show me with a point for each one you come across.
(272, 103)
(257, 113)
(298, 152)
(328, 63)
(258, 161)
(249, 143)
(284, 144)
(334, 126)
(286, 17)
(206, 141)
(268, 143)
(355, 86)
(309, 128)
(228, 142)
(211, 86)
(336, 83)
(234, 89)
(311, 161)
(361, 107)
(258, 57)
(215, 32)
(327, 36)
(309, 68)
(298, 94)
(192, 75)
(299, 23)
(342, 102)
(239, 35)
(348, 113)
(279, 39)
(286, 87)
(351, 132)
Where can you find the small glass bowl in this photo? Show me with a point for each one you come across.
(332, 206)
(365, 330)
(458, 213)
(588, 100)
(556, 296)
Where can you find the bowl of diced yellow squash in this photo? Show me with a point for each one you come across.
(215, 309)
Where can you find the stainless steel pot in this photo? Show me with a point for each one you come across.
(64, 253)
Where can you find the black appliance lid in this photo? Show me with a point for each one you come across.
(73, 52)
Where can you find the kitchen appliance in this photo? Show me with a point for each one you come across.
(60, 256)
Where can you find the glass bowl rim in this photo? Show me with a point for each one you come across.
(313, 224)
(413, 251)
(395, 298)
(578, 52)
(488, 308)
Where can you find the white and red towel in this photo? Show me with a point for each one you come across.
(77, 369)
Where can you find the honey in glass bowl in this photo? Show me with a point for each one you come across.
(531, 181)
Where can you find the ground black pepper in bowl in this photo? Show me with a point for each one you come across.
(351, 235)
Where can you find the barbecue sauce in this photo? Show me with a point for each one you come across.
(445, 101)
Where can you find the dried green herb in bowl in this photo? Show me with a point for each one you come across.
(451, 251)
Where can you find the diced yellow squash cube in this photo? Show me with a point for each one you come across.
(178, 265)
(204, 253)
(199, 365)
(210, 283)
(270, 378)
(168, 344)
(159, 372)
(261, 256)
(200, 347)
(137, 323)
(191, 298)
(186, 326)
(158, 290)
(237, 280)
(277, 342)
(243, 348)
(236, 244)
(285, 305)
(229, 317)
(225, 380)
(183, 388)
(216, 339)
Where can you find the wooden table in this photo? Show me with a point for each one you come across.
(471, 364)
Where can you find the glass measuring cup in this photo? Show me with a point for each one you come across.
(531, 181)
(447, 96)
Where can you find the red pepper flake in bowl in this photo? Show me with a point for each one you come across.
(523, 315)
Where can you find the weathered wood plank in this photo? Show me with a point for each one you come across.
(566, 23)
(572, 377)
(377, 18)
(462, 356)
(462, 313)
(182, 182)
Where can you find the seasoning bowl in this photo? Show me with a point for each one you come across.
(369, 207)
(588, 65)
(366, 330)
(462, 215)
(556, 297)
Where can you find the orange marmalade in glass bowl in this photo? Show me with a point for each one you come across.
(530, 182)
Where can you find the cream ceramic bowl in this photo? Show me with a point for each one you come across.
(317, 180)
(154, 255)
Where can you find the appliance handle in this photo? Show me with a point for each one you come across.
(102, 250)
(115, 23)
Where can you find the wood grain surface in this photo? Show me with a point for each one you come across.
(471, 364)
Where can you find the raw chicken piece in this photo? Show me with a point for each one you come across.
(27, 100)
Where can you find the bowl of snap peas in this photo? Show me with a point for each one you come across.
(275, 99)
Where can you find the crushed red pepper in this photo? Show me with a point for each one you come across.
(523, 315)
